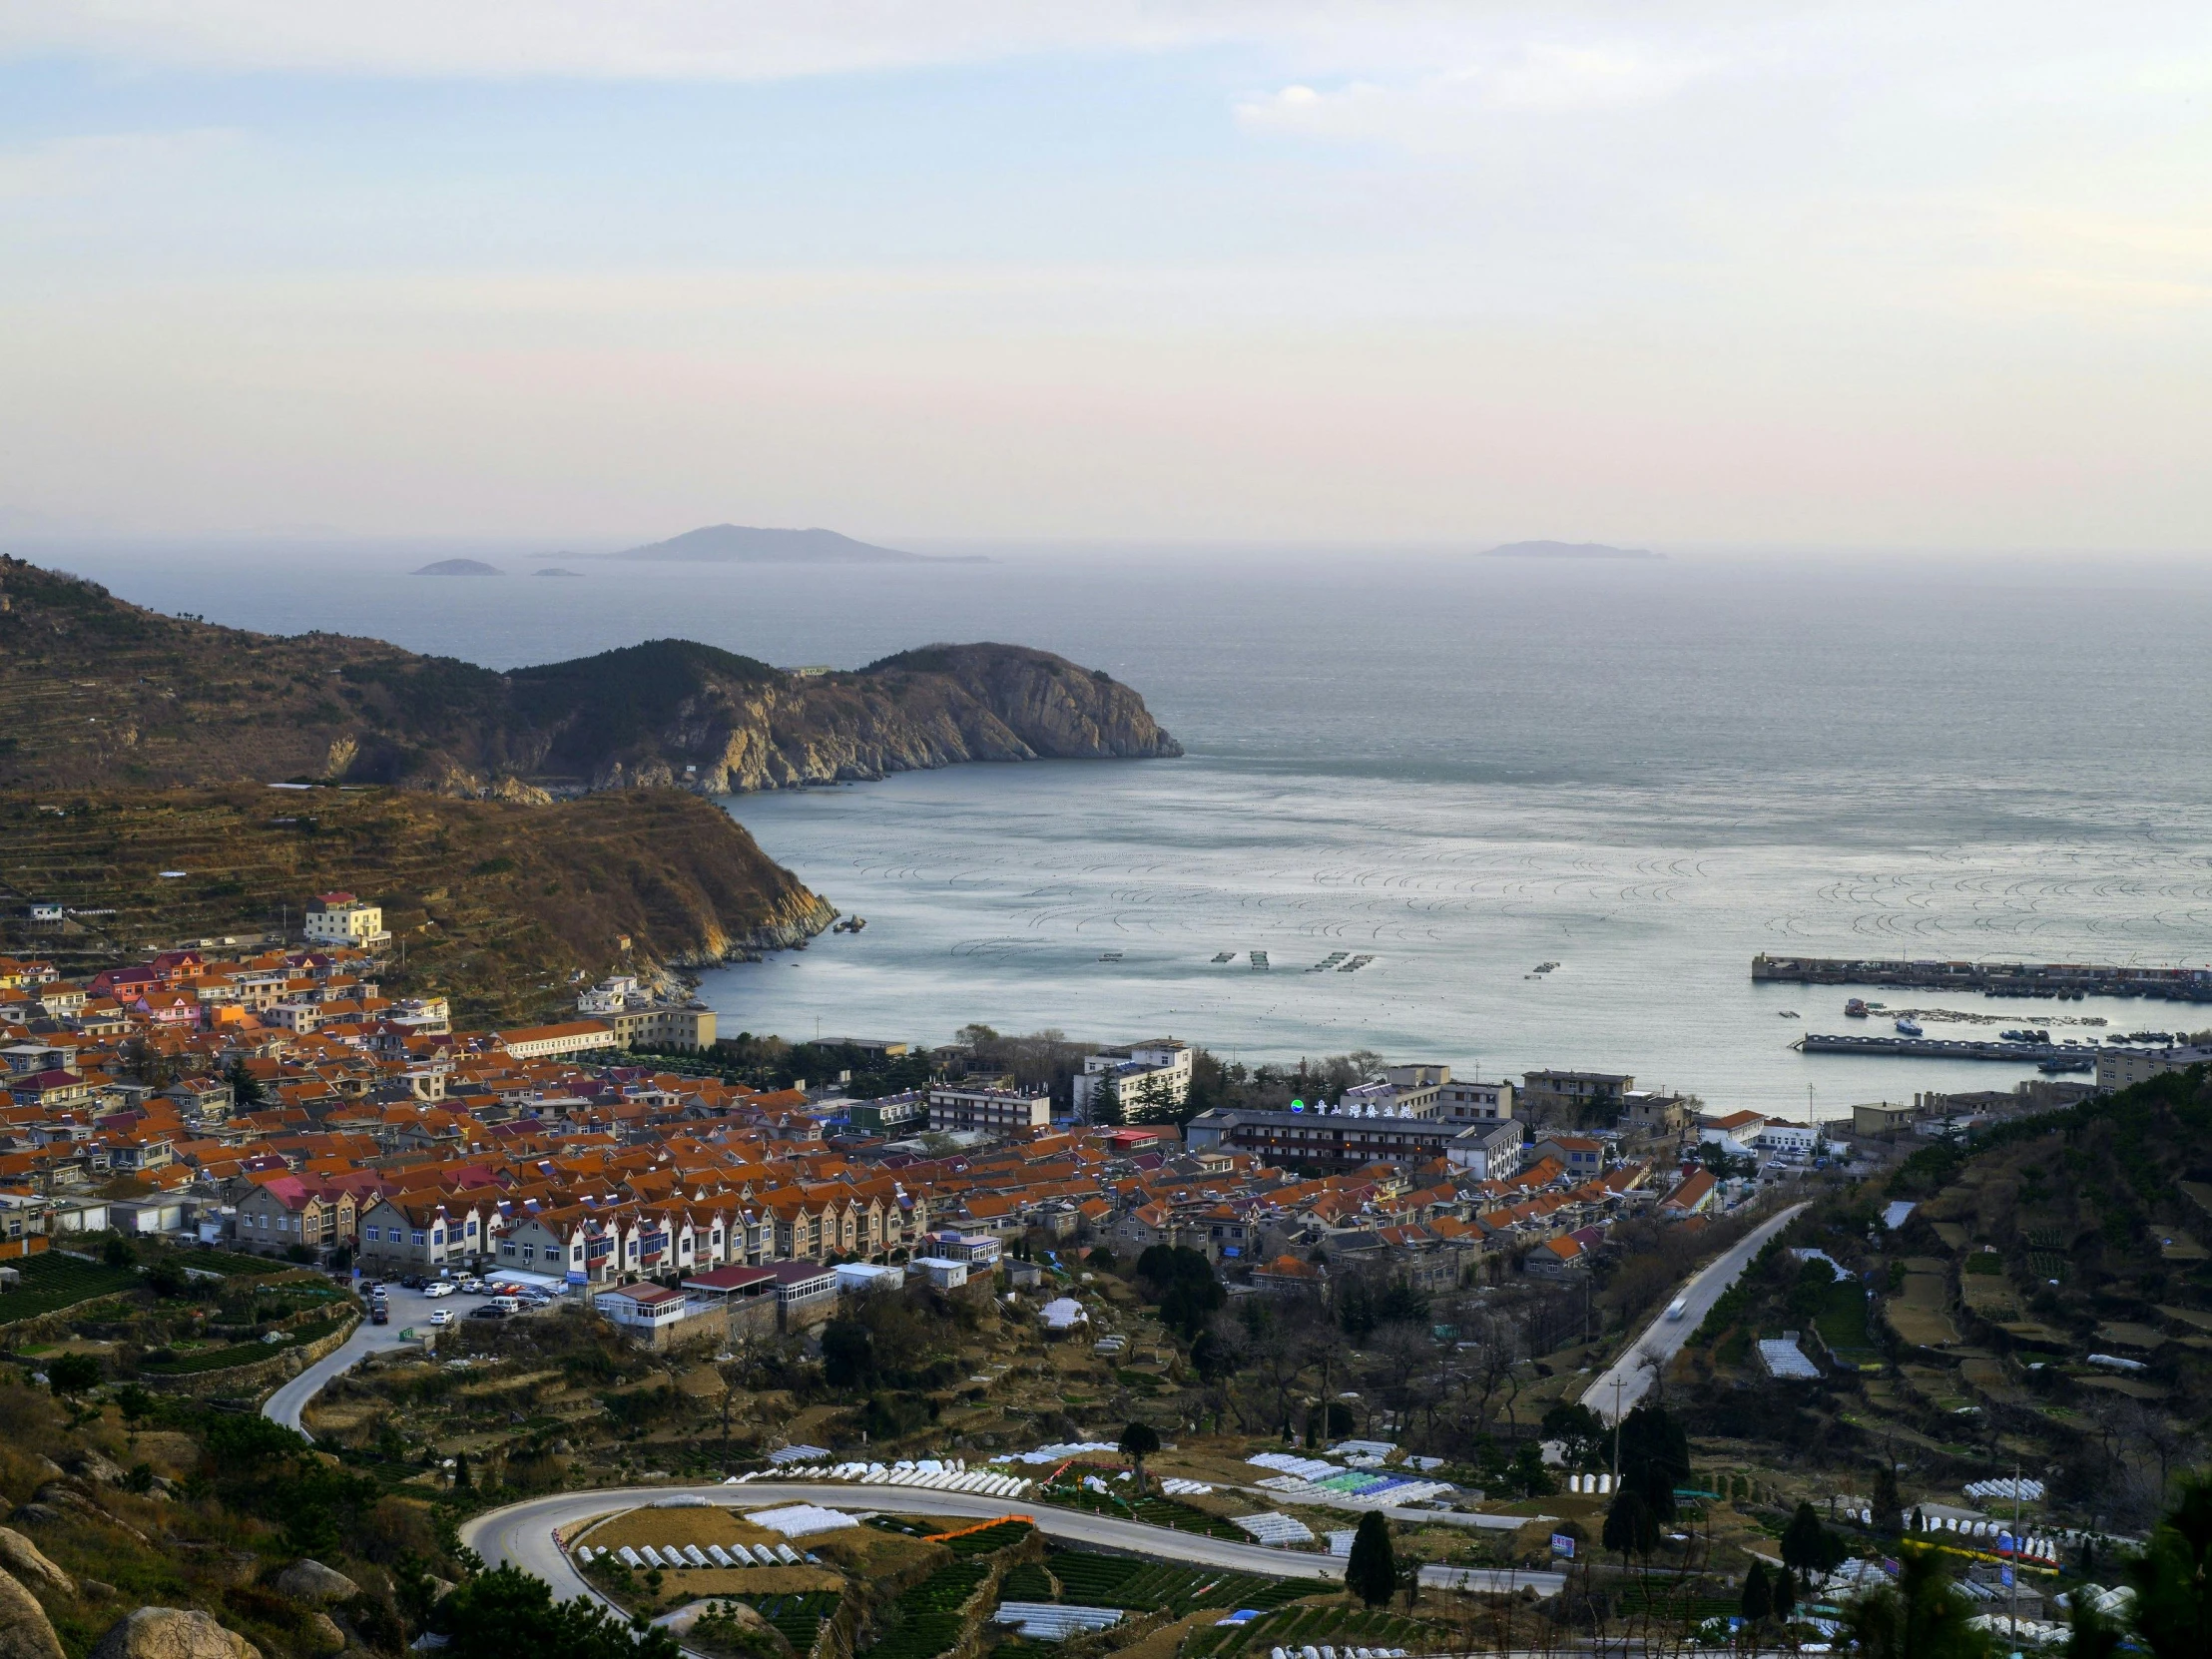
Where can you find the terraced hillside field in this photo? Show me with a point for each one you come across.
(493, 903)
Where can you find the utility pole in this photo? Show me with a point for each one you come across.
(2012, 1590)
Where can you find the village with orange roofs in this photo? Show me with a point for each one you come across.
(794, 1350)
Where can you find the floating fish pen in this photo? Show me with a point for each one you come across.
(1355, 964)
(1260, 961)
(1223, 956)
(1329, 961)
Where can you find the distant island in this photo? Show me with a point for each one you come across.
(1568, 550)
(556, 570)
(743, 544)
(458, 567)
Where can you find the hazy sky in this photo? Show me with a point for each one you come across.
(1857, 273)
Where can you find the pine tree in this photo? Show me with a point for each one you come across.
(1758, 1599)
(1372, 1571)
(1630, 1526)
(1139, 1440)
(1920, 1617)
(1784, 1593)
(1888, 1507)
(2173, 1579)
(1805, 1541)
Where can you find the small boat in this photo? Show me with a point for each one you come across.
(1855, 1008)
(1788, 1013)
(1908, 1027)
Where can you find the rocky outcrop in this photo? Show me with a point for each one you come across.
(311, 1580)
(29, 1564)
(920, 710)
(90, 1465)
(57, 1498)
(25, 1630)
(171, 1633)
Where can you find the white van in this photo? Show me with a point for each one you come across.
(1679, 1307)
(507, 1303)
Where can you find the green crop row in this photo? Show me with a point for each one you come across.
(989, 1539)
(926, 1621)
(240, 1354)
(795, 1618)
(53, 1282)
(1138, 1586)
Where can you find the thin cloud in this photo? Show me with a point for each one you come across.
(1447, 110)
(96, 163)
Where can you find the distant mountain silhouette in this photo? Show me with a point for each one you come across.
(1567, 550)
(742, 544)
(458, 567)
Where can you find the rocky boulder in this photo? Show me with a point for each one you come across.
(57, 1496)
(306, 1580)
(29, 1563)
(173, 1633)
(25, 1630)
(92, 1466)
(323, 1634)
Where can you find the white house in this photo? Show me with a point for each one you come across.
(611, 996)
(1151, 1074)
(1791, 1141)
(942, 1273)
(341, 918)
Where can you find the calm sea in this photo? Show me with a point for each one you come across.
(1456, 769)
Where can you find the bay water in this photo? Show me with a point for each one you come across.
(1455, 769)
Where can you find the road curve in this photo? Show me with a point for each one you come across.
(409, 1310)
(522, 1535)
(1663, 1337)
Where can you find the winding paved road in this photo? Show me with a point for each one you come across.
(1663, 1337)
(410, 1310)
(523, 1534)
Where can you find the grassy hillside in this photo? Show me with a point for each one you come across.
(98, 692)
(2046, 1304)
(496, 903)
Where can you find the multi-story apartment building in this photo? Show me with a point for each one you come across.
(991, 1111)
(1324, 1140)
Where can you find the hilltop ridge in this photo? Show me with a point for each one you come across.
(97, 691)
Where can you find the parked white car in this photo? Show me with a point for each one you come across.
(441, 1286)
(442, 1316)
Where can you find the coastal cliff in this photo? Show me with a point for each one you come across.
(732, 733)
(96, 692)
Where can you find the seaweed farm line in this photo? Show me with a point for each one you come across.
(2069, 979)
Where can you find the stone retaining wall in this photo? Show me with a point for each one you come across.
(255, 1377)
